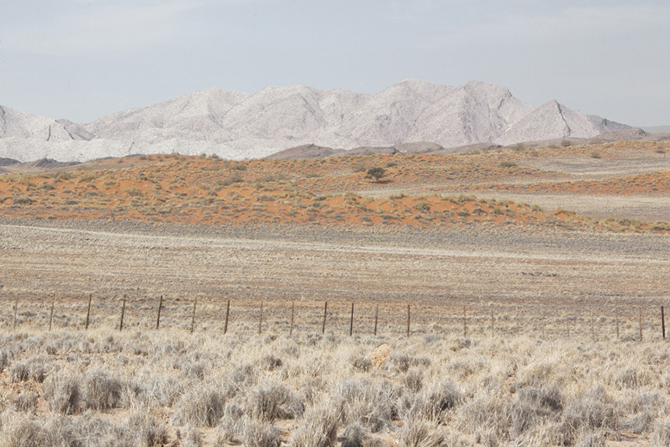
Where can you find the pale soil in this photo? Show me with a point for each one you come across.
(550, 275)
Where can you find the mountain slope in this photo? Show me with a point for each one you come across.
(240, 125)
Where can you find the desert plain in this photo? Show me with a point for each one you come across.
(503, 297)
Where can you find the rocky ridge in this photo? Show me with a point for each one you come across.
(240, 125)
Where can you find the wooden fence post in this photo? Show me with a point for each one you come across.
(409, 318)
(567, 325)
(465, 323)
(663, 322)
(617, 321)
(593, 325)
(51, 314)
(640, 323)
(195, 303)
(325, 313)
(88, 311)
(123, 311)
(492, 324)
(351, 322)
(376, 317)
(518, 322)
(16, 310)
(290, 331)
(158, 316)
(260, 320)
(225, 325)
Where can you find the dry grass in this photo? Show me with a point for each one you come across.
(487, 391)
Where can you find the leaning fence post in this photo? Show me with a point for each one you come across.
(225, 325)
(409, 317)
(123, 311)
(51, 314)
(158, 316)
(351, 322)
(325, 313)
(290, 331)
(260, 320)
(663, 322)
(88, 311)
(376, 316)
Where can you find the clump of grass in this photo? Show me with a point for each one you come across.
(318, 428)
(202, 407)
(268, 403)
(102, 390)
(62, 393)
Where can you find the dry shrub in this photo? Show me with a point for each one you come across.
(432, 403)
(594, 411)
(62, 393)
(372, 403)
(147, 432)
(231, 425)
(26, 402)
(318, 428)
(35, 368)
(661, 436)
(102, 390)
(260, 434)
(532, 405)
(200, 407)
(419, 433)
(592, 439)
(268, 403)
(413, 381)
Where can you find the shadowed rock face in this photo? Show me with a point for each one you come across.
(240, 125)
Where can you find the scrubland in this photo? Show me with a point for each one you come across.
(154, 388)
(530, 325)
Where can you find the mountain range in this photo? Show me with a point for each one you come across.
(240, 125)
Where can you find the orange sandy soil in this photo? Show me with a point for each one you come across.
(205, 190)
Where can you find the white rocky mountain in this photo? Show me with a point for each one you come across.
(241, 125)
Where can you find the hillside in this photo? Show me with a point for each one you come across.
(416, 190)
(239, 125)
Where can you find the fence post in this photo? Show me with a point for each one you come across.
(88, 311)
(123, 311)
(51, 314)
(325, 312)
(195, 303)
(518, 322)
(225, 325)
(290, 331)
(567, 325)
(409, 317)
(376, 316)
(351, 322)
(465, 323)
(16, 309)
(617, 321)
(492, 323)
(663, 322)
(260, 320)
(158, 316)
(640, 323)
(593, 325)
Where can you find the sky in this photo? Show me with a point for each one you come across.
(83, 59)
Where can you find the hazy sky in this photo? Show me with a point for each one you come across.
(82, 59)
